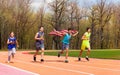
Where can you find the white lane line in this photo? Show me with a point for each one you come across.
(57, 68)
(91, 67)
(19, 69)
(95, 67)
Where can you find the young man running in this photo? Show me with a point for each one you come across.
(39, 37)
(66, 42)
(85, 44)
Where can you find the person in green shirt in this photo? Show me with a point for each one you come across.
(85, 44)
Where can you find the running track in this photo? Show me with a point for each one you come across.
(23, 65)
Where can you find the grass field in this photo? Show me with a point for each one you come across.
(101, 54)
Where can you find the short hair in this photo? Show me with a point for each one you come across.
(12, 32)
(69, 29)
(88, 28)
(57, 28)
(41, 27)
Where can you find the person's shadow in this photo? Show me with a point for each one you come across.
(81, 61)
(54, 60)
(47, 61)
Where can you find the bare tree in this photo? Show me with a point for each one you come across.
(58, 8)
(75, 14)
(93, 20)
(16, 16)
(104, 15)
(117, 25)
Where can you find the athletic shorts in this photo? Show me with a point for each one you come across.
(65, 46)
(85, 44)
(12, 51)
(39, 45)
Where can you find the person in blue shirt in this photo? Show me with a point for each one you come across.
(39, 38)
(66, 42)
(12, 44)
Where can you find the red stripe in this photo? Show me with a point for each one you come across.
(62, 31)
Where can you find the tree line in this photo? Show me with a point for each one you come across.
(103, 17)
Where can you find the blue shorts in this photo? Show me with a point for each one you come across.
(65, 46)
(39, 45)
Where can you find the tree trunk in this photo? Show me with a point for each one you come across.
(92, 41)
(101, 38)
(57, 42)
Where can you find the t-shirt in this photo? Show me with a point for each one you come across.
(13, 44)
(66, 38)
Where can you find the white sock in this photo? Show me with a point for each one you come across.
(86, 56)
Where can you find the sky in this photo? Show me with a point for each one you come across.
(36, 4)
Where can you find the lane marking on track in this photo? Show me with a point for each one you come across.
(73, 58)
(56, 68)
(19, 69)
(91, 67)
(94, 67)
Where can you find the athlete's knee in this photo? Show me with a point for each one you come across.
(66, 49)
(88, 50)
(81, 50)
(62, 51)
(42, 50)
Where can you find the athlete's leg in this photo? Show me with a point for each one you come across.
(62, 51)
(66, 57)
(87, 54)
(13, 52)
(80, 54)
(9, 56)
(34, 56)
(42, 54)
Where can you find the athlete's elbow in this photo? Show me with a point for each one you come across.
(82, 38)
(35, 38)
(7, 42)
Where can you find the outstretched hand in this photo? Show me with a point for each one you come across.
(75, 33)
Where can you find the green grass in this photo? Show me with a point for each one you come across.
(101, 54)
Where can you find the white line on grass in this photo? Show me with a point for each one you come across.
(19, 69)
(57, 68)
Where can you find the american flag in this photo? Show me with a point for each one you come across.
(60, 33)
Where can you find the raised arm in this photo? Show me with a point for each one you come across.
(75, 34)
(57, 31)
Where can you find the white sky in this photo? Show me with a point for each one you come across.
(36, 4)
